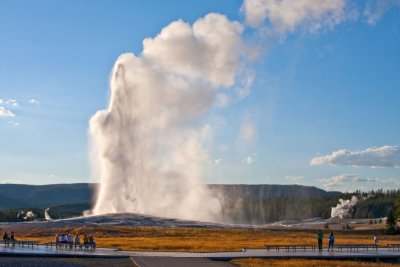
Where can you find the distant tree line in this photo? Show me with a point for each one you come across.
(57, 212)
(374, 204)
(253, 209)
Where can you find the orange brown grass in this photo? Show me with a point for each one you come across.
(194, 239)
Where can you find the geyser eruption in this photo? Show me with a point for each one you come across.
(149, 144)
(47, 216)
(343, 208)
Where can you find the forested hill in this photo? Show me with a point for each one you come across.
(260, 204)
(250, 204)
(14, 196)
(268, 191)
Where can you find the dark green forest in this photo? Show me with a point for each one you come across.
(374, 204)
(56, 212)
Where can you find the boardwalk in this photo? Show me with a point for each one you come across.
(262, 253)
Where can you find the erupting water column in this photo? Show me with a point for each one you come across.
(148, 146)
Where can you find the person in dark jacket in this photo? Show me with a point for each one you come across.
(320, 236)
(331, 239)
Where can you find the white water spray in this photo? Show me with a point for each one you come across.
(343, 208)
(148, 146)
(29, 215)
(47, 215)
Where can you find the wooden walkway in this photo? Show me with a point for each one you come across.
(176, 262)
(207, 259)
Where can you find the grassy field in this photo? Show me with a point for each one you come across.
(196, 239)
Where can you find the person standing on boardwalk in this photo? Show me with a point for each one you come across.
(320, 236)
(12, 236)
(331, 241)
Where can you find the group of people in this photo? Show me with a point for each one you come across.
(88, 241)
(331, 240)
(8, 238)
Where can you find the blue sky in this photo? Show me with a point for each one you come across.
(314, 92)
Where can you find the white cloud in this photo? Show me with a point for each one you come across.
(374, 157)
(6, 113)
(14, 123)
(11, 102)
(375, 9)
(340, 180)
(34, 101)
(288, 15)
(217, 161)
(248, 160)
(294, 179)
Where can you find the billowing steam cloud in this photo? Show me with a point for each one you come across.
(47, 215)
(149, 144)
(342, 210)
(29, 215)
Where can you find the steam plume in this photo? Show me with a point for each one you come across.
(47, 215)
(342, 210)
(29, 215)
(148, 145)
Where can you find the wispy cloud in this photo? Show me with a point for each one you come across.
(11, 102)
(374, 157)
(34, 101)
(288, 15)
(375, 9)
(342, 179)
(6, 113)
(222, 100)
(248, 160)
(218, 161)
(244, 85)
